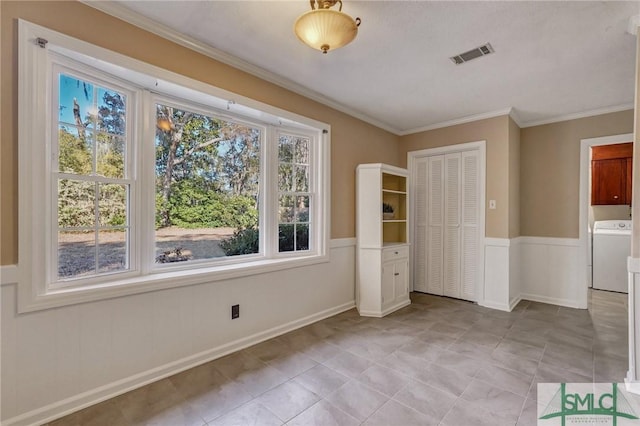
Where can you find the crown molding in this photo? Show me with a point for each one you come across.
(463, 120)
(577, 115)
(512, 112)
(515, 117)
(123, 13)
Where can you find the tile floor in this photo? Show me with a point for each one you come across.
(438, 361)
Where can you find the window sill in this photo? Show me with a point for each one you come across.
(157, 281)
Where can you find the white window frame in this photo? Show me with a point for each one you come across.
(313, 178)
(148, 167)
(64, 65)
(35, 133)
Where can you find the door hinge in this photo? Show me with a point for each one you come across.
(41, 42)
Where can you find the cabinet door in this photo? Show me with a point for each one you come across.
(387, 289)
(401, 279)
(608, 181)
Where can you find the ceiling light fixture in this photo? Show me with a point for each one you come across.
(325, 29)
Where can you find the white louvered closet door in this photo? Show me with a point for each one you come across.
(447, 212)
(470, 225)
(420, 238)
(452, 209)
(435, 228)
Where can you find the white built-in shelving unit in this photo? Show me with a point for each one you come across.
(382, 282)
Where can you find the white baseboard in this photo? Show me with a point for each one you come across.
(95, 396)
(496, 305)
(569, 303)
(631, 386)
(380, 314)
(514, 302)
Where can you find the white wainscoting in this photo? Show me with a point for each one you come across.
(57, 361)
(532, 268)
(8, 274)
(549, 271)
(515, 268)
(633, 374)
(496, 274)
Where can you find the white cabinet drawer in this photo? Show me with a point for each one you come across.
(391, 254)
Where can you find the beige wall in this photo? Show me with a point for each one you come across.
(550, 171)
(353, 141)
(514, 179)
(604, 212)
(496, 132)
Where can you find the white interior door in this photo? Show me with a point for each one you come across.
(435, 231)
(447, 224)
(451, 246)
(470, 224)
(420, 237)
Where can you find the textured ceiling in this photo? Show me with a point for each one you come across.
(551, 59)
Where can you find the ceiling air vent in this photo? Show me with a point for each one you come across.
(483, 50)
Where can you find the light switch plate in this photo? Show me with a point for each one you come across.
(492, 204)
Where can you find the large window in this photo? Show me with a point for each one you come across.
(207, 185)
(143, 179)
(91, 180)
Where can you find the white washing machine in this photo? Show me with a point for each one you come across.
(611, 247)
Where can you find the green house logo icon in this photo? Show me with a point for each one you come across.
(565, 404)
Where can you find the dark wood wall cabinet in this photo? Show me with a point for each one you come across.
(611, 171)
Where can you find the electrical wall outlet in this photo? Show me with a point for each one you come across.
(235, 311)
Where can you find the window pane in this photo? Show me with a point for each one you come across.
(302, 178)
(110, 156)
(171, 242)
(285, 177)
(76, 254)
(112, 204)
(286, 238)
(111, 111)
(302, 209)
(112, 250)
(287, 204)
(302, 151)
(75, 150)
(207, 180)
(76, 203)
(76, 101)
(302, 236)
(285, 150)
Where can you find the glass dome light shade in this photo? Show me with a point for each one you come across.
(325, 29)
